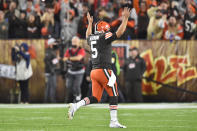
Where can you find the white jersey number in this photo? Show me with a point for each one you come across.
(189, 26)
(94, 50)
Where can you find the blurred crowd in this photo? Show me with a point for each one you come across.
(63, 19)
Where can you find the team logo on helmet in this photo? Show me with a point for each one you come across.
(102, 26)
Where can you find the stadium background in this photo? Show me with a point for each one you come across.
(172, 63)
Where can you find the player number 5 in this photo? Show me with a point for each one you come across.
(94, 50)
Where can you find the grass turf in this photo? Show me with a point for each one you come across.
(97, 119)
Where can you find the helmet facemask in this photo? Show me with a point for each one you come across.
(101, 27)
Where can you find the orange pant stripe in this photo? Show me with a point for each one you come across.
(107, 73)
(115, 85)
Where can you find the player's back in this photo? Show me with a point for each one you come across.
(101, 49)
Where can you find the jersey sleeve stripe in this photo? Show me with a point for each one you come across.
(108, 35)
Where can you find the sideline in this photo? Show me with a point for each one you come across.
(120, 106)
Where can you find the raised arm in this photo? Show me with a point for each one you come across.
(89, 29)
(122, 27)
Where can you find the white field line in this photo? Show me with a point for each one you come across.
(120, 106)
(150, 106)
(130, 126)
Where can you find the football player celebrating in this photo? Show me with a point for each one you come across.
(101, 75)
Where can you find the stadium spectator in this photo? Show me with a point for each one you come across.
(134, 16)
(3, 26)
(110, 10)
(48, 23)
(157, 16)
(130, 4)
(92, 7)
(100, 3)
(74, 57)
(11, 15)
(21, 25)
(102, 15)
(4, 4)
(182, 5)
(143, 21)
(51, 60)
(173, 30)
(57, 6)
(65, 7)
(190, 21)
(22, 4)
(30, 7)
(149, 3)
(40, 5)
(1, 5)
(69, 26)
(60, 9)
(83, 23)
(33, 26)
(47, 1)
(77, 6)
(12, 10)
(134, 69)
(130, 30)
(21, 56)
(174, 9)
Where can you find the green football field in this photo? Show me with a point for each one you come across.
(137, 117)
